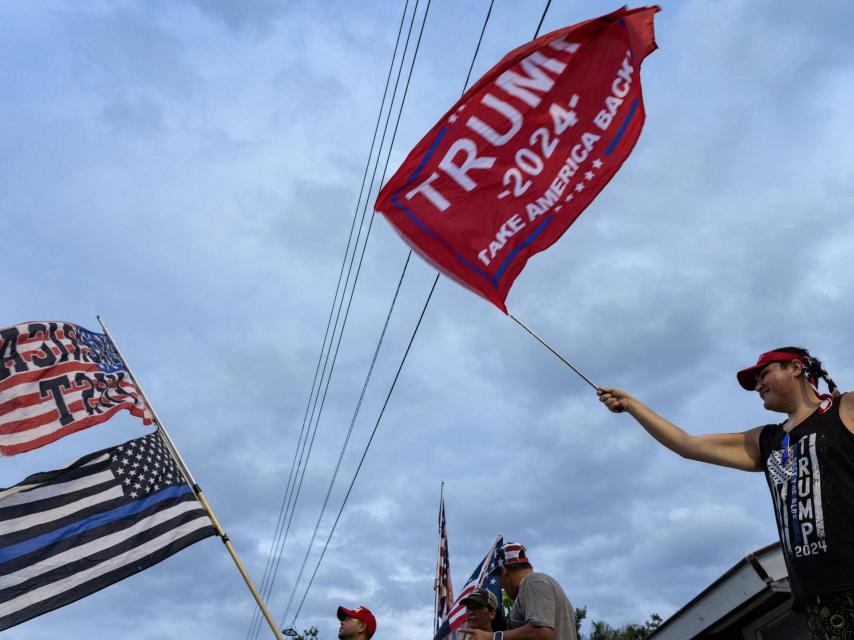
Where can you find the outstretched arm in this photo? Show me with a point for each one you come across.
(737, 450)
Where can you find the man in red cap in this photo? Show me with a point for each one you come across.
(808, 462)
(356, 624)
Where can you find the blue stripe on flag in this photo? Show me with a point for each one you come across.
(622, 128)
(515, 251)
(427, 156)
(432, 233)
(47, 539)
(409, 213)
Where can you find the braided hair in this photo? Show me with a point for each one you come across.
(813, 368)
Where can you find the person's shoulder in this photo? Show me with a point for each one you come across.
(768, 435)
(768, 431)
(846, 410)
(545, 584)
(538, 577)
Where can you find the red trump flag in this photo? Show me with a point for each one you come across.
(510, 167)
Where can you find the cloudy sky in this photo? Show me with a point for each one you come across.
(190, 171)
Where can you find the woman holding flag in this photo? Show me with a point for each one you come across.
(808, 462)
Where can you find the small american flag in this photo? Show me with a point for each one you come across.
(480, 578)
(444, 588)
(68, 533)
(57, 378)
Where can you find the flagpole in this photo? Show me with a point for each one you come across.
(436, 581)
(554, 351)
(485, 568)
(197, 490)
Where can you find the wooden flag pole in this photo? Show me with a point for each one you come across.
(197, 490)
(554, 351)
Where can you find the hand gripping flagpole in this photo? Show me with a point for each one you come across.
(197, 490)
(554, 351)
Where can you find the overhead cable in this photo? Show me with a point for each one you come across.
(388, 316)
(403, 359)
(400, 367)
(316, 415)
(279, 539)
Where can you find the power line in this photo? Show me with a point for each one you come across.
(346, 442)
(278, 539)
(542, 17)
(406, 352)
(315, 418)
(388, 316)
(477, 48)
(400, 366)
(292, 506)
(365, 451)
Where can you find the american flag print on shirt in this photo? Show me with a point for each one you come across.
(68, 533)
(57, 378)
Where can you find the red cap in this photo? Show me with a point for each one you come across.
(363, 615)
(747, 377)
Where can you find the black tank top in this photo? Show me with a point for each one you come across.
(812, 486)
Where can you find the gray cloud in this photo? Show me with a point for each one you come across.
(190, 172)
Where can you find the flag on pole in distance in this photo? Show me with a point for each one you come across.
(479, 578)
(510, 167)
(68, 533)
(57, 378)
(444, 586)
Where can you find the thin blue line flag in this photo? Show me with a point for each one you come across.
(68, 533)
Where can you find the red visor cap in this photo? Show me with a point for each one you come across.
(363, 615)
(747, 377)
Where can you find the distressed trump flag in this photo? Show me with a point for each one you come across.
(511, 166)
(57, 378)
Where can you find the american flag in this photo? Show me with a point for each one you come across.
(480, 578)
(57, 378)
(68, 533)
(444, 588)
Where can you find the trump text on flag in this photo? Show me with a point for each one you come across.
(506, 171)
(57, 378)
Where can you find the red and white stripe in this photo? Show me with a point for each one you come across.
(457, 616)
(30, 418)
(514, 553)
(445, 589)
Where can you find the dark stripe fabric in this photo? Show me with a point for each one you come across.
(68, 533)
